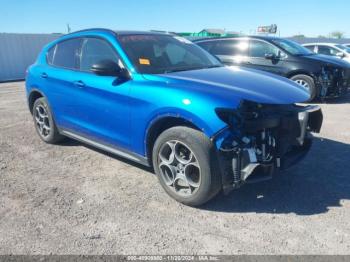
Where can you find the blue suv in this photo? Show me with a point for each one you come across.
(162, 101)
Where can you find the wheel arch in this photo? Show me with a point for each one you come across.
(300, 72)
(34, 95)
(316, 87)
(162, 123)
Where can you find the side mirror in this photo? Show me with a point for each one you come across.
(270, 56)
(109, 68)
(340, 54)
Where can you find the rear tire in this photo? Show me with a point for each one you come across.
(44, 122)
(307, 82)
(186, 166)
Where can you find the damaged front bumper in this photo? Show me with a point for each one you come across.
(262, 139)
(333, 82)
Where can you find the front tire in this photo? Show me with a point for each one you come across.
(186, 166)
(44, 122)
(307, 82)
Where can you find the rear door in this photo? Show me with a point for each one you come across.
(63, 60)
(231, 51)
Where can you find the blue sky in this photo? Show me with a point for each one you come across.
(309, 17)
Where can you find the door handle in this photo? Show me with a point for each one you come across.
(79, 83)
(44, 75)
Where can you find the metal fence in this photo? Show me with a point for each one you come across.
(18, 51)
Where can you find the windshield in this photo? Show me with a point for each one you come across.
(344, 48)
(292, 47)
(159, 54)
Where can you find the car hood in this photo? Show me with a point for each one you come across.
(228, 82)
(327, 60)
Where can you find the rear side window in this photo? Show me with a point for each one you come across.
(95, 50)
(66, 54)
(231, 48)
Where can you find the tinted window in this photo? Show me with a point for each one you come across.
(157, 54)
(260, 49)
(326, 50)
(231, 47)
(67, 54)
(95, 50)
(291, 47)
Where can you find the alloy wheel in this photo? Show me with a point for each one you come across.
(179, 168)
(42, 120)
(303, 83)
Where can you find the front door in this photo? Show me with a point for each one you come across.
(103, 107)
(267, 57)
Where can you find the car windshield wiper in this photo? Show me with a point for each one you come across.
(178, 69)
(304, 54)
(190, 68)
(213, 66)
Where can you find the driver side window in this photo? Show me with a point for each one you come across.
(95, 50)
(260, 49)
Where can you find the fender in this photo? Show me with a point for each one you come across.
(185, 116)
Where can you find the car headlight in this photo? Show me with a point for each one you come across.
(235, 117)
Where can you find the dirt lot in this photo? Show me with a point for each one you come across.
(71, 199)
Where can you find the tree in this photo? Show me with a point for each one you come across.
(299, 36)
(337, 34)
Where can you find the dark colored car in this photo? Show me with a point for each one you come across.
(162, 101)
(323, 76)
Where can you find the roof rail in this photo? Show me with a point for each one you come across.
(214, 38)
(93, 29)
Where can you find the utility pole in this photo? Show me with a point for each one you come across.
(68, 28)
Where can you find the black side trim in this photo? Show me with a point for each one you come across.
(106, 147)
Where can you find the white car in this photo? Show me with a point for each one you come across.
(330, 49)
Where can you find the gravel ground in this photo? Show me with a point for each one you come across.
(72, 199)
